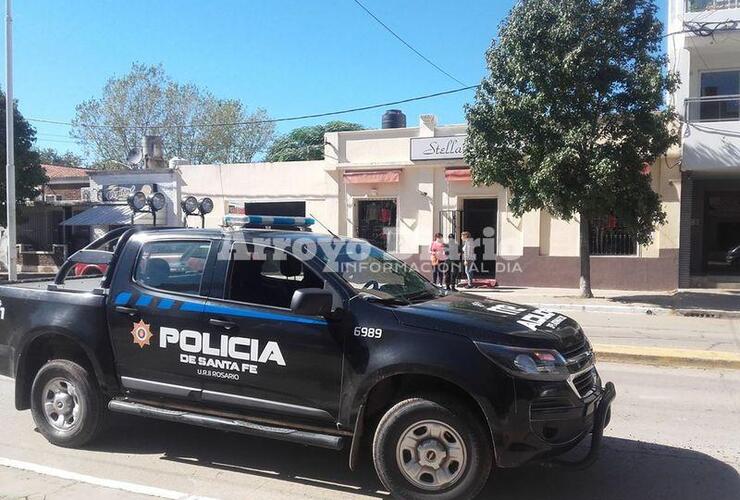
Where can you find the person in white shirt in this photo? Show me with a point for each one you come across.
(468, 254)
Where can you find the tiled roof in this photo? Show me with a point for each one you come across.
(57, 171)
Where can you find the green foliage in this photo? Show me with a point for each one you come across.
(29, 175)
(50, 156)
(146, 99)
(306, 143)
(572, 108)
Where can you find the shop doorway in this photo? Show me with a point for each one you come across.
(478, 215)
(721, 232)
(376, 222)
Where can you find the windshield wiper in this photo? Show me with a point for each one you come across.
(420, 295)
(387, 300)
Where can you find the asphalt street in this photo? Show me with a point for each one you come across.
(673, 435)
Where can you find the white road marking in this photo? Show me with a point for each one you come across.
(106, 483)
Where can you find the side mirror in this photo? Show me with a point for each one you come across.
(311, 302)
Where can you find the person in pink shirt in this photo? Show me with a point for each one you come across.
(438, 253)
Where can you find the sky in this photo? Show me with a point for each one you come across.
(291, 57)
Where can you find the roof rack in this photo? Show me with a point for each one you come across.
(269, 222)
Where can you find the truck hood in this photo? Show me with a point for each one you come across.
(485, 320)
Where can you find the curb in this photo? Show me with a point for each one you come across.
(667, 356)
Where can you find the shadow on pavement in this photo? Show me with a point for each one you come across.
(626, 469)
(728, 300)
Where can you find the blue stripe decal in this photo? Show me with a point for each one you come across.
(249, 313)
(191, 307)
(123, 298)
(165, 304)
(144, 301)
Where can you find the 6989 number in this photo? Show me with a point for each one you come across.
(369, 332)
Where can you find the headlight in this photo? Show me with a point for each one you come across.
(537, 364)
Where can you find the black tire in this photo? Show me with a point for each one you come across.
(410, 412)
(87, 399)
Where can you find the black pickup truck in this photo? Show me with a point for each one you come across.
(306, 338)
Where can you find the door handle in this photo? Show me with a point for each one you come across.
(127, 310)
(227, 325)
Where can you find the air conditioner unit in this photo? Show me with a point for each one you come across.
(52, 197)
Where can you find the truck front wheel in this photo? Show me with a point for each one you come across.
(425, 449)
(66, 404)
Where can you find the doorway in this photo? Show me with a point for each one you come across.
(376, 223)
(721, 232)
(478, 214)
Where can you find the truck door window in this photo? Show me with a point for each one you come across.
(267, 276)
(173, 266)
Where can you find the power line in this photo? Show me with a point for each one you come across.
(256, 122)
(406, 43)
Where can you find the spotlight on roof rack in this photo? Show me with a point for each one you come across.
(269, 221)
(206, 206)
(137, 201)
(140, 203)
(157, 201)
(191, 206)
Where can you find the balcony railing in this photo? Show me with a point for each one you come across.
(702, 5)
(712, 109)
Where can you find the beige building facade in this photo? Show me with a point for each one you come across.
(397, 187)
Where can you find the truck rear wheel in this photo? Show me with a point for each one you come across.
(66, 404)
(426, 449)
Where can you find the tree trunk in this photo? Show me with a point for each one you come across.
(585, 253)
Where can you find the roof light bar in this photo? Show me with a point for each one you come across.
(267, 220)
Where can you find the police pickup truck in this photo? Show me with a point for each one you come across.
(283, 333)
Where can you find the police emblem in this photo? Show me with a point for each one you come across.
(141, 333)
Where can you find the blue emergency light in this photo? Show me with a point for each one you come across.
(268, 221)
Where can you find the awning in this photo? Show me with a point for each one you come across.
(102, 215)
(372, 177)
(458, 175)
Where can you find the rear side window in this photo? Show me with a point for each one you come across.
(173, 266)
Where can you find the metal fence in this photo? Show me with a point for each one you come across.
(702, 5)
(712, 109)
(609, 239)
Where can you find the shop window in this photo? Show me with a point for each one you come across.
(608, 237)
(376, 223)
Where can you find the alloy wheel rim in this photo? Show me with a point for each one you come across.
(62, 407)
(431, 455)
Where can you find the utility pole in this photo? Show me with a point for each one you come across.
(10, 144)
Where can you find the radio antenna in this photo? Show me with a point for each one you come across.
(322, 225)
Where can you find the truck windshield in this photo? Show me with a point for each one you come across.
(371, 271)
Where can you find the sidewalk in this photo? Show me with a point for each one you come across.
(688, 302)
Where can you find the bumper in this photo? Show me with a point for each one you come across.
(549, 419)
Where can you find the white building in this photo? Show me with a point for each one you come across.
(396, 187)
(704, 49)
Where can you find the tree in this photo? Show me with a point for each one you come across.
(306, 143)
(571, 111)
(29, 175)
(50, 156)
(147, 101)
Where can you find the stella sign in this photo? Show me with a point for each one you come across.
(437, 148)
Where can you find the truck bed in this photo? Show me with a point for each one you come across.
(31, 309)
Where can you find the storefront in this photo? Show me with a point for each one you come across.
(397, 187)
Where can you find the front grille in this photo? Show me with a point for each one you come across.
(585, 382)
